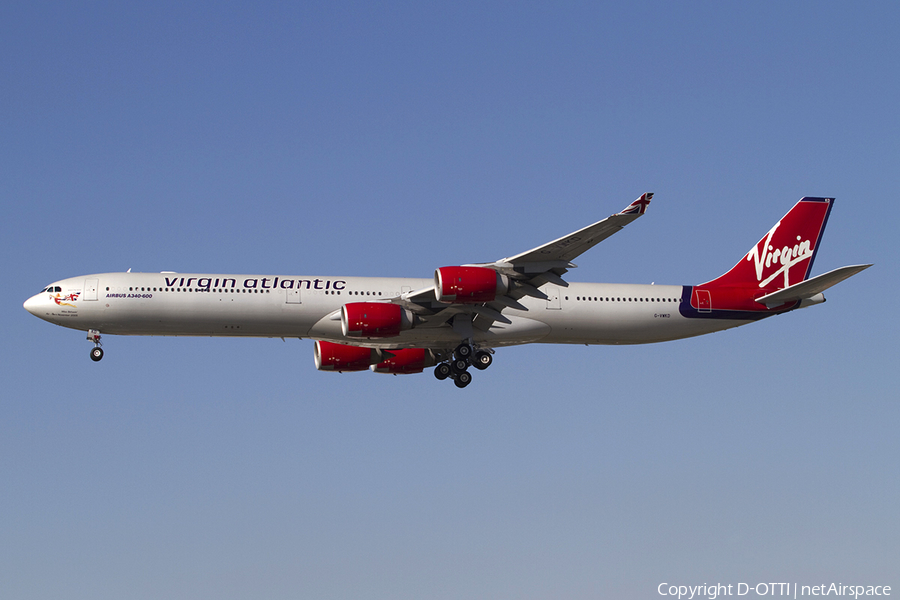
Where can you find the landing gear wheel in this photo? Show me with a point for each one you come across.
(482, 360)
(459, 366)
(94, 336)
(442, 371)
(463, 352)
(463, 379)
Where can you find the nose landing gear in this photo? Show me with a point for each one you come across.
(96, 352)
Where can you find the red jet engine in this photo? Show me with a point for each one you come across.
(406, 361)
(469, 285)
(375, 319)
(340, 357)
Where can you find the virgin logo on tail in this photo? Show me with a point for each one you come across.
(764, 255)
(788, 246)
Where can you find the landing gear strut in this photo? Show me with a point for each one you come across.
(96, 352)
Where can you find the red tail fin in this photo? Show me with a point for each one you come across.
(783, 257)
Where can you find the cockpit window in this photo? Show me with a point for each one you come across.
(57, 289)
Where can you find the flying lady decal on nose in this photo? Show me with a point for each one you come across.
(64, 300)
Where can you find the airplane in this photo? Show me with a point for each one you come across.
(460, 316)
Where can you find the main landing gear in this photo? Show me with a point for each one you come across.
(457, 367)
(96, 352)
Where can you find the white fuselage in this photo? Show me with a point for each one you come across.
(308, 307)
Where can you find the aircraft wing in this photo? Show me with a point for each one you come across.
(528, 270)
(568, 247)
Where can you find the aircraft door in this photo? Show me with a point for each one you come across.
(90, 289)
(703, 301)
(293, 296)
(552, 292)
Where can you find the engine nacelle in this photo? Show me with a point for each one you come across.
(469, 285)
(340, 357)
(375, 319)
(406, 361)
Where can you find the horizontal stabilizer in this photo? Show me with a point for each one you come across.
(811, 287)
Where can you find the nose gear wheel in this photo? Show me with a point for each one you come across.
(96, 352)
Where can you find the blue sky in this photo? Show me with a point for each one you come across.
(390, 139)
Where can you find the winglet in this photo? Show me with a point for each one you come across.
(639, 206)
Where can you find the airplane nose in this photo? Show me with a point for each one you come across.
(33, 304)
